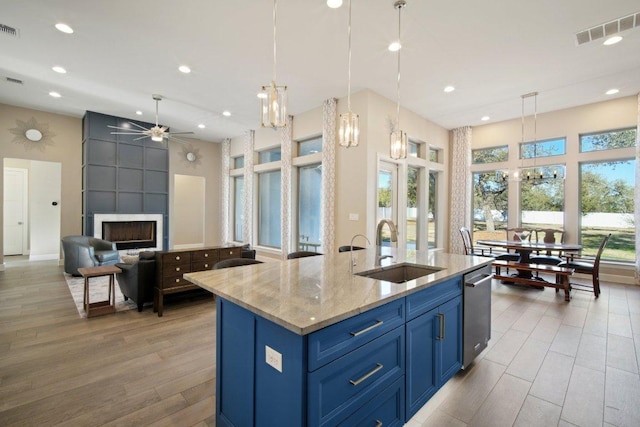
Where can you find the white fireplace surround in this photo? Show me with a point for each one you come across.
(98, 219)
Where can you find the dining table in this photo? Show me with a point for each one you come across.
(524, 248)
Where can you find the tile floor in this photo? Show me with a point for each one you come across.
(549, 363)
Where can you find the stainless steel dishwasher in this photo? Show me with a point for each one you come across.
(477, 313)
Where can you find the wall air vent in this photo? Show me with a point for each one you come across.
(10, 31)
(608, 28)
(16, 81)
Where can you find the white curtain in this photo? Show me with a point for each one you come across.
(247, 224)
(285, 186)
(327, 220)
(636, 207)
(461, 180)
(225, 234)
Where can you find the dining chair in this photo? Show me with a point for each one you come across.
(518, 234)
(588, 268)
(302, 254)
(467, 241)
(548, 235)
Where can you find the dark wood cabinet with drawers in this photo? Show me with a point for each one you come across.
(171, 265)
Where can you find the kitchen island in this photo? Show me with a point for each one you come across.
(304, 342)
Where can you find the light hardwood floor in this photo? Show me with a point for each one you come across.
(549, 363)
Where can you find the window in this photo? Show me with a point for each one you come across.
(387, 198)
(238, 207)
(490, 155)
(490, 207)
(310, 146)
(552, 147)
(238, 162)
(606, 202)
(309, 203)
(434, 155)
(608, 140)
(432, 233)
(542, 200)
(414, 149)
(413, 207)
(269, 214)
(272, 155)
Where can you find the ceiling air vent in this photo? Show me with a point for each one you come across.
(16, 81)
(608, 28)
(10, 31)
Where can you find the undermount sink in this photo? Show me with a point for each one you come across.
(400, 272)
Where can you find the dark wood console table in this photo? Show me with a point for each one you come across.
(171, 265)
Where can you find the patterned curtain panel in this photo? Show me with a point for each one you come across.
(460, 187)
(285, 186)
(225, 234)
(247, 228)
(636, 209)
(327, 221)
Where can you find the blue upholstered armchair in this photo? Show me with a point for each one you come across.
(85, 251)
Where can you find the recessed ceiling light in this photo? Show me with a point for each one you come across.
(226, 113)
(55, 94)
(201, 126)
(334, 4)
(59, 69)
(485, 118)
(139, 112)
(184, 69)
(64, 28)
(449, 89)
(612, 91)
(262, 95)
(612, 40)
(395, 46)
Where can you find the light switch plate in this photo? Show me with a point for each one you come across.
(273, 358)
(354, 217)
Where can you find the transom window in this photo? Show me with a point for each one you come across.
(551, 147)
(610, 140)
(310, 146)
(268, 156)
(490, 155)
(238, 162)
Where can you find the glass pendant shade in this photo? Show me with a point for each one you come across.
(398, 144)
(274, 106)
(349, 133)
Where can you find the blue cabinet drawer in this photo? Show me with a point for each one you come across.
(337, 340)
(341, 387)
(427, 299)
(386, 409)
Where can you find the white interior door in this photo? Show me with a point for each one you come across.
(15, 211)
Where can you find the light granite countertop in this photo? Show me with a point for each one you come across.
(307, 294)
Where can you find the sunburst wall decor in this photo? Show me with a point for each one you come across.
(190, 156)
(32, 134)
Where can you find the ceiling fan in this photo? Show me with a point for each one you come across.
(156, 133)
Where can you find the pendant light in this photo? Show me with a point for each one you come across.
(349, 133)
(273, 97)
(398, 143)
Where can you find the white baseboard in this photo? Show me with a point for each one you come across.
(43, 257)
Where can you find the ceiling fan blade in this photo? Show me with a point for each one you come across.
(126, 133)
(181, 133)
(142, 137)
(141, 127)
(163, 129)
(178, 140)
(121, 128)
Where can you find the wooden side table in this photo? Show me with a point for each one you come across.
(99, 307)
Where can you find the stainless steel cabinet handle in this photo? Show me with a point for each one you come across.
(367, 375)
(441, 332)
(473, 283)
(367, 329)
(378, 423)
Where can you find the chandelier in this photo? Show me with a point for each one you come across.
(348, 135)
(273, 97)
(398, 138)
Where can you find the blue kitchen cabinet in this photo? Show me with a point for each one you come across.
(434, 342)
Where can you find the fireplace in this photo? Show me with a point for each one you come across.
(130, 231)
(130, 234)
